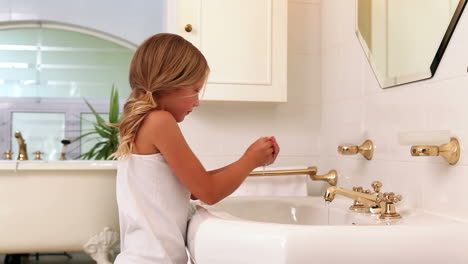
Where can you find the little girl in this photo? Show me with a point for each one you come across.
(157, 171)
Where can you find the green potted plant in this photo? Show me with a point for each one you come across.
(107, 136)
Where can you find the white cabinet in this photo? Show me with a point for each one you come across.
(244, 41)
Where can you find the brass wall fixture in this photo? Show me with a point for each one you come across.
(377, 202)
(38, 155)
(449, 151)
(331, 177)
(65, 142)
(8, 154)
(188, 28)
(22, 153)
(366, 149)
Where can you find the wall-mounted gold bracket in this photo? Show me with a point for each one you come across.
(331, 177)
(366, 149)
(449, 151)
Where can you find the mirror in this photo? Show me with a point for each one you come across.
(404, 40)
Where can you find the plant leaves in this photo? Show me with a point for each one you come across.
(114, 106)
(101, 131)
(98, 117)
(107, 136)
(84, 135)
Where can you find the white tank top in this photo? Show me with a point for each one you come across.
(153, 211)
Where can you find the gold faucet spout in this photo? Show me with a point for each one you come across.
(331, 177)
(377, 202)
(365, 198)
(22, 153)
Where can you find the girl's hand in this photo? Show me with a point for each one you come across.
(263, 151)
(276, 149)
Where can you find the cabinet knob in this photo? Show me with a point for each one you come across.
(188, 28)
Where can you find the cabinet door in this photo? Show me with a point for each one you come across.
(245, 43)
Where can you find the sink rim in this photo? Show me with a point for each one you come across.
(410, 216)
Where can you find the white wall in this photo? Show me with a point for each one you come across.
(131, 20)
(220, 132)
(355, 108)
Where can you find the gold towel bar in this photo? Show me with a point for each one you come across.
(331, 177)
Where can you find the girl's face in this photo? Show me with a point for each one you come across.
(180, 102)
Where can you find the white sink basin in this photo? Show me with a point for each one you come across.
(298, 230)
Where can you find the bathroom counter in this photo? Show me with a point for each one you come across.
(27, 165)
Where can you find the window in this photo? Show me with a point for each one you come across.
(46, 69)
(44, 132)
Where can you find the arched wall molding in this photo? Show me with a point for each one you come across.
(69, 27)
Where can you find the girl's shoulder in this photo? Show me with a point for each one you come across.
(160, 117)
(159, 120)
(157, 129)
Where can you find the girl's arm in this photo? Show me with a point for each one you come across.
(162, 131)
(275, 153)
(212, 172)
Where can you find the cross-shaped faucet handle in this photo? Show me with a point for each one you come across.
(391, 197)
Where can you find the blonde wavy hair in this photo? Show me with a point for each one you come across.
(162, 62)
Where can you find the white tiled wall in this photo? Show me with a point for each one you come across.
(220, 132)
(355, 108)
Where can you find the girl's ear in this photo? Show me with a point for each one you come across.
(162, 93)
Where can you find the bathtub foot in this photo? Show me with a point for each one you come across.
(16, 258)
(99, 247)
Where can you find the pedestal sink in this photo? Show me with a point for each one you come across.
(300, 230)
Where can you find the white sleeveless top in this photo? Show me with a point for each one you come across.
(153, 211)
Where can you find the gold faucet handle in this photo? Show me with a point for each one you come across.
(358, 189)
(38, 155)
(391, 198)
(8, 154)
(389, 211)
(361, 190)
(376, 185)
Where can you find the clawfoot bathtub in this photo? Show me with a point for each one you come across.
(57, 206)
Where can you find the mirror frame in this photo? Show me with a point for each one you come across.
(447, 36)
(437, 57)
